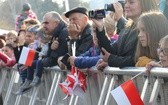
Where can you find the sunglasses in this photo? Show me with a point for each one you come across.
(163, 50)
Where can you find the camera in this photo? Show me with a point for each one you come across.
(100, 14)
(110, 7)
(97, 14)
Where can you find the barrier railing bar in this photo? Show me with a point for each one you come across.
(144, 90)
(10, 88)
(4, 74)
(52, 89)
(111, 87)
(76, 100)
(18, 99)
(99, 82)
(34, 95)
(56, 88)
(104, 89)
(71, 100)
(89, 90)
(46, 85)
(155, 91)
(160, 72)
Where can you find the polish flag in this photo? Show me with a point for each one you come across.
(27, 56)
(127, 94)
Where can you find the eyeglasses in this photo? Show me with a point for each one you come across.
(163, 50)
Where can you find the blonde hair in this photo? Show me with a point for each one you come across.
(12, 33)
(109, 24)
(164, 41)
(147, 5)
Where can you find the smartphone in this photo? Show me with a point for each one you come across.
(64, 60)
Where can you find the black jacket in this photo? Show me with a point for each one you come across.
(61, 33)
(122, 51)
(17, 51)
(84, 43)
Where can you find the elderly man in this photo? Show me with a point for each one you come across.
(79, 31)
(53, 25)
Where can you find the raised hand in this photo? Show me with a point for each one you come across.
(55, 44)
(101, 65)
(99, 23)
(150, 65)
(118, 11)
(72, 60)
(74, 30)
(105, 55)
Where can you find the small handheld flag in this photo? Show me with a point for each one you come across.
(27, 56)
(127, 94)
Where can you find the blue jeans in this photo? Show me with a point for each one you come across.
(23, 73)
(38, 66)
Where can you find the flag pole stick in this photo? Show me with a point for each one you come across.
(137, 75)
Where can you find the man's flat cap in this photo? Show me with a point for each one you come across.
(76, 10)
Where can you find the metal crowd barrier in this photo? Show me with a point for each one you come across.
(153, 88)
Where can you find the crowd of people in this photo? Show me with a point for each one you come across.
(133, 36)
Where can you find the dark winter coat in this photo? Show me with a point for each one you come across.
(61, 33)
(122, 51)
(84, 43)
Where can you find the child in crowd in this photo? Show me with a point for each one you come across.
(110, 27)
(8, 59)
(44, 38)
(152, 27)
(11, 38)
(2, 43)
(29, 42)
(26, 13)
(162, 53)
(163, 62)
(31, 34)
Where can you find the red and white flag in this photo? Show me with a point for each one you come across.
(27, 56)
(74, 80)
(127, 94)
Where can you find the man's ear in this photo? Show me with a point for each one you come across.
(86, 19)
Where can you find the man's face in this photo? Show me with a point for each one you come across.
(49, 24)
(78, 19)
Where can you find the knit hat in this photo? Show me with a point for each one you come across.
(26, 7)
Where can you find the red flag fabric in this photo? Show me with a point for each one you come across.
(76, 78)
(8, 61)
(127, 94)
